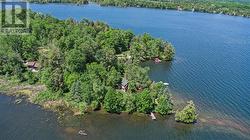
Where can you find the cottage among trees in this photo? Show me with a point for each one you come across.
(32, 66)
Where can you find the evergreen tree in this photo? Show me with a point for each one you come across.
(76, 91)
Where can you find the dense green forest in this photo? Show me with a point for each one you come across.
(228, 7)
(88, 64)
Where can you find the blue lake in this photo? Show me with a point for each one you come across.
(211, 67)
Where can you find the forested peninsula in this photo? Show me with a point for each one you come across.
(89, 66)
(233, 8)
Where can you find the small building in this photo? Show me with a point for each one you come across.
(32, 65)
(179, 8)
(124, 84)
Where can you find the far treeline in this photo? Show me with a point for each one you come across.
(60, 1)
(90, 66)
(227, 7)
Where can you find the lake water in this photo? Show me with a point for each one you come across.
(211, 67)
(26, 121)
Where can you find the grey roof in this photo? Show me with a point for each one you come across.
(124, 81)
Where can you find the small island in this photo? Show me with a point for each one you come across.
(87, 66)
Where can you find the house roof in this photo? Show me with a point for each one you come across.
(32, 64)
(124, 81)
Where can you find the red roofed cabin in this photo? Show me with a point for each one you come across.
(32, 65)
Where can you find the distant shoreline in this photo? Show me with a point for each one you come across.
(225, 8)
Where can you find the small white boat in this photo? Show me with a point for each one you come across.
(166, 84)
(152, 116)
